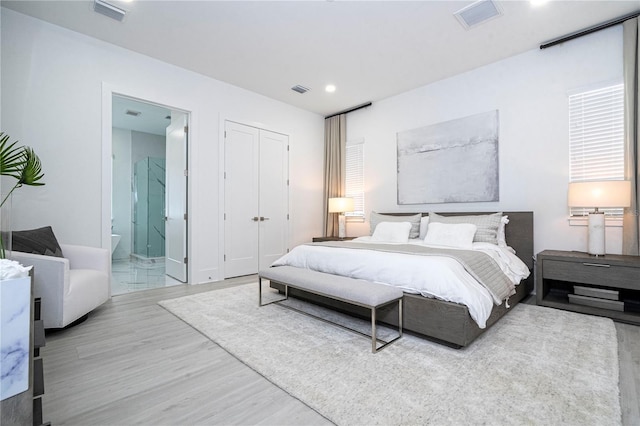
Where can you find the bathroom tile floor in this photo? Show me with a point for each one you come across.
(127, 277)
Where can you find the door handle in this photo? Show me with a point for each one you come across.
(255, 218)
(262, 219)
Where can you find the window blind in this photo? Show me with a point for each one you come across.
(354, 180)
(596, 133)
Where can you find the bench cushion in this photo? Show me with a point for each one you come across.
(352, 290)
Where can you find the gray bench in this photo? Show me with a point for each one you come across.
(349, 290)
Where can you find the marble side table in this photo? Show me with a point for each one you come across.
(16, 340)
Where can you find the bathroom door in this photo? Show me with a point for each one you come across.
(256, 212)
(176, 197)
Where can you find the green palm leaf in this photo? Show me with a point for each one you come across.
(32, 170)
(21, 163)
(12, 158)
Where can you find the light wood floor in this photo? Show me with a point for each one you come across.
(132, 362)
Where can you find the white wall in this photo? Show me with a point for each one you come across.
(52, 100)
(0, 78)
(530, 91)
(145, 145)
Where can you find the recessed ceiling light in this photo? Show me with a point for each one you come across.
(330, 88)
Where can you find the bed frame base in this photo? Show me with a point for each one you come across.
(442, 322)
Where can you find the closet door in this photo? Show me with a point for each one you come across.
(241, 218)
(256, 198)
(274, 197)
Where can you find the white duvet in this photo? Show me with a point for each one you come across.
(431, 276)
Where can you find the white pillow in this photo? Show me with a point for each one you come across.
(502, 238)
(487, 224)
(424, 223)
(455, 235)
(392, 232)
(376, 218)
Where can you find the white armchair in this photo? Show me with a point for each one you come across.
(71, 286)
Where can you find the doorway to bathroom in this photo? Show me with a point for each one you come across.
(140, 220)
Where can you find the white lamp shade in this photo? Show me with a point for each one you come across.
(610, 193)
(340, 205)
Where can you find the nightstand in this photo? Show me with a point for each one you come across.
(607, 286)
(323, 239)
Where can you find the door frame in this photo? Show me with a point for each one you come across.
(108, 91)
(223, 119)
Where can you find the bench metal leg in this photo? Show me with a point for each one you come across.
(374, 338)
(286, 294)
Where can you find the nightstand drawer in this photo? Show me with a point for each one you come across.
(596, 273)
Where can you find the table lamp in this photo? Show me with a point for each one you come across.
(341, 205)
(600, 194)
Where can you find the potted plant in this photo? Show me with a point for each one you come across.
(21, 163)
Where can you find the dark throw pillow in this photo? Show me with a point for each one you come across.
(37, 241)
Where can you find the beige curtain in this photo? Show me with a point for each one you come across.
(335, 141)
(631, 227)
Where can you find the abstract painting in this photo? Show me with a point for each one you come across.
(450, 162)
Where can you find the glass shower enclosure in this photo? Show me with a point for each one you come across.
(149, 208)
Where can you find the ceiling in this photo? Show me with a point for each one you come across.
(369, 50)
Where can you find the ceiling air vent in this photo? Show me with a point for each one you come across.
(300, 89)
(132, 112)
(478, 12)
(109, 10)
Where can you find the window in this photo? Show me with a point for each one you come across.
(596, 136)
(354, 180)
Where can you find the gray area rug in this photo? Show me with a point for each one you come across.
(535, 366)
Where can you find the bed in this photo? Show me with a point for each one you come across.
(445, 321)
